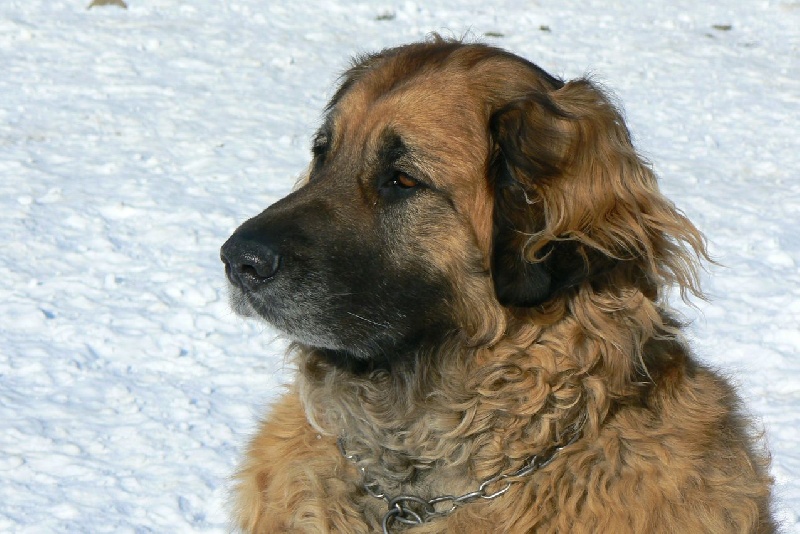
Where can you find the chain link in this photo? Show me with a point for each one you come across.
(413, 510)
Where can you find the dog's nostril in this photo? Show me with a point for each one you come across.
(248, 263)
(257, 270)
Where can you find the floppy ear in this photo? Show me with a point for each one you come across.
(574, 203)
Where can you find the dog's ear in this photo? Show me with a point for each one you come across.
(530, 146)
(574, 202)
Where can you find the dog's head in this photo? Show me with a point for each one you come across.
(452, 184)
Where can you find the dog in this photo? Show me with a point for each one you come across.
(473, 274)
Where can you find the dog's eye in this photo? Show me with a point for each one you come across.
(404, 181)
(399, 185)
(319, 145)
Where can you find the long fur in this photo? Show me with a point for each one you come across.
(560, 251)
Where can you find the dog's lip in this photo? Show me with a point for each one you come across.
(240, 300)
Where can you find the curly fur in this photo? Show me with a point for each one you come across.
(555, 259)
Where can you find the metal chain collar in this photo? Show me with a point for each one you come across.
(413, 510)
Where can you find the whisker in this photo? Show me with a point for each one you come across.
(382, 325)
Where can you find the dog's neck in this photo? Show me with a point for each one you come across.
(482, 410)
(406, 423)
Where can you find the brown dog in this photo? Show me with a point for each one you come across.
(473, 272)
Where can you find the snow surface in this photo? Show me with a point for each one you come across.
(132, 142)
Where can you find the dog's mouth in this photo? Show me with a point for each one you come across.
(255, 303)
(237, 276)
(261, 287)
(239, 300)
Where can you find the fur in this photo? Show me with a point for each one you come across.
(474, 271)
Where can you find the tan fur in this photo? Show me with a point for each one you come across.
(662, 447)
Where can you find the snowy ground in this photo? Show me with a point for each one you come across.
(133, 141)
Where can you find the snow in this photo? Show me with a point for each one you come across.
(133, 141)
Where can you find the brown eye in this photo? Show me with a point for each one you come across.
(404, 181)
(398, 185)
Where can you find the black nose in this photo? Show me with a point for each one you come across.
(248, 262)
